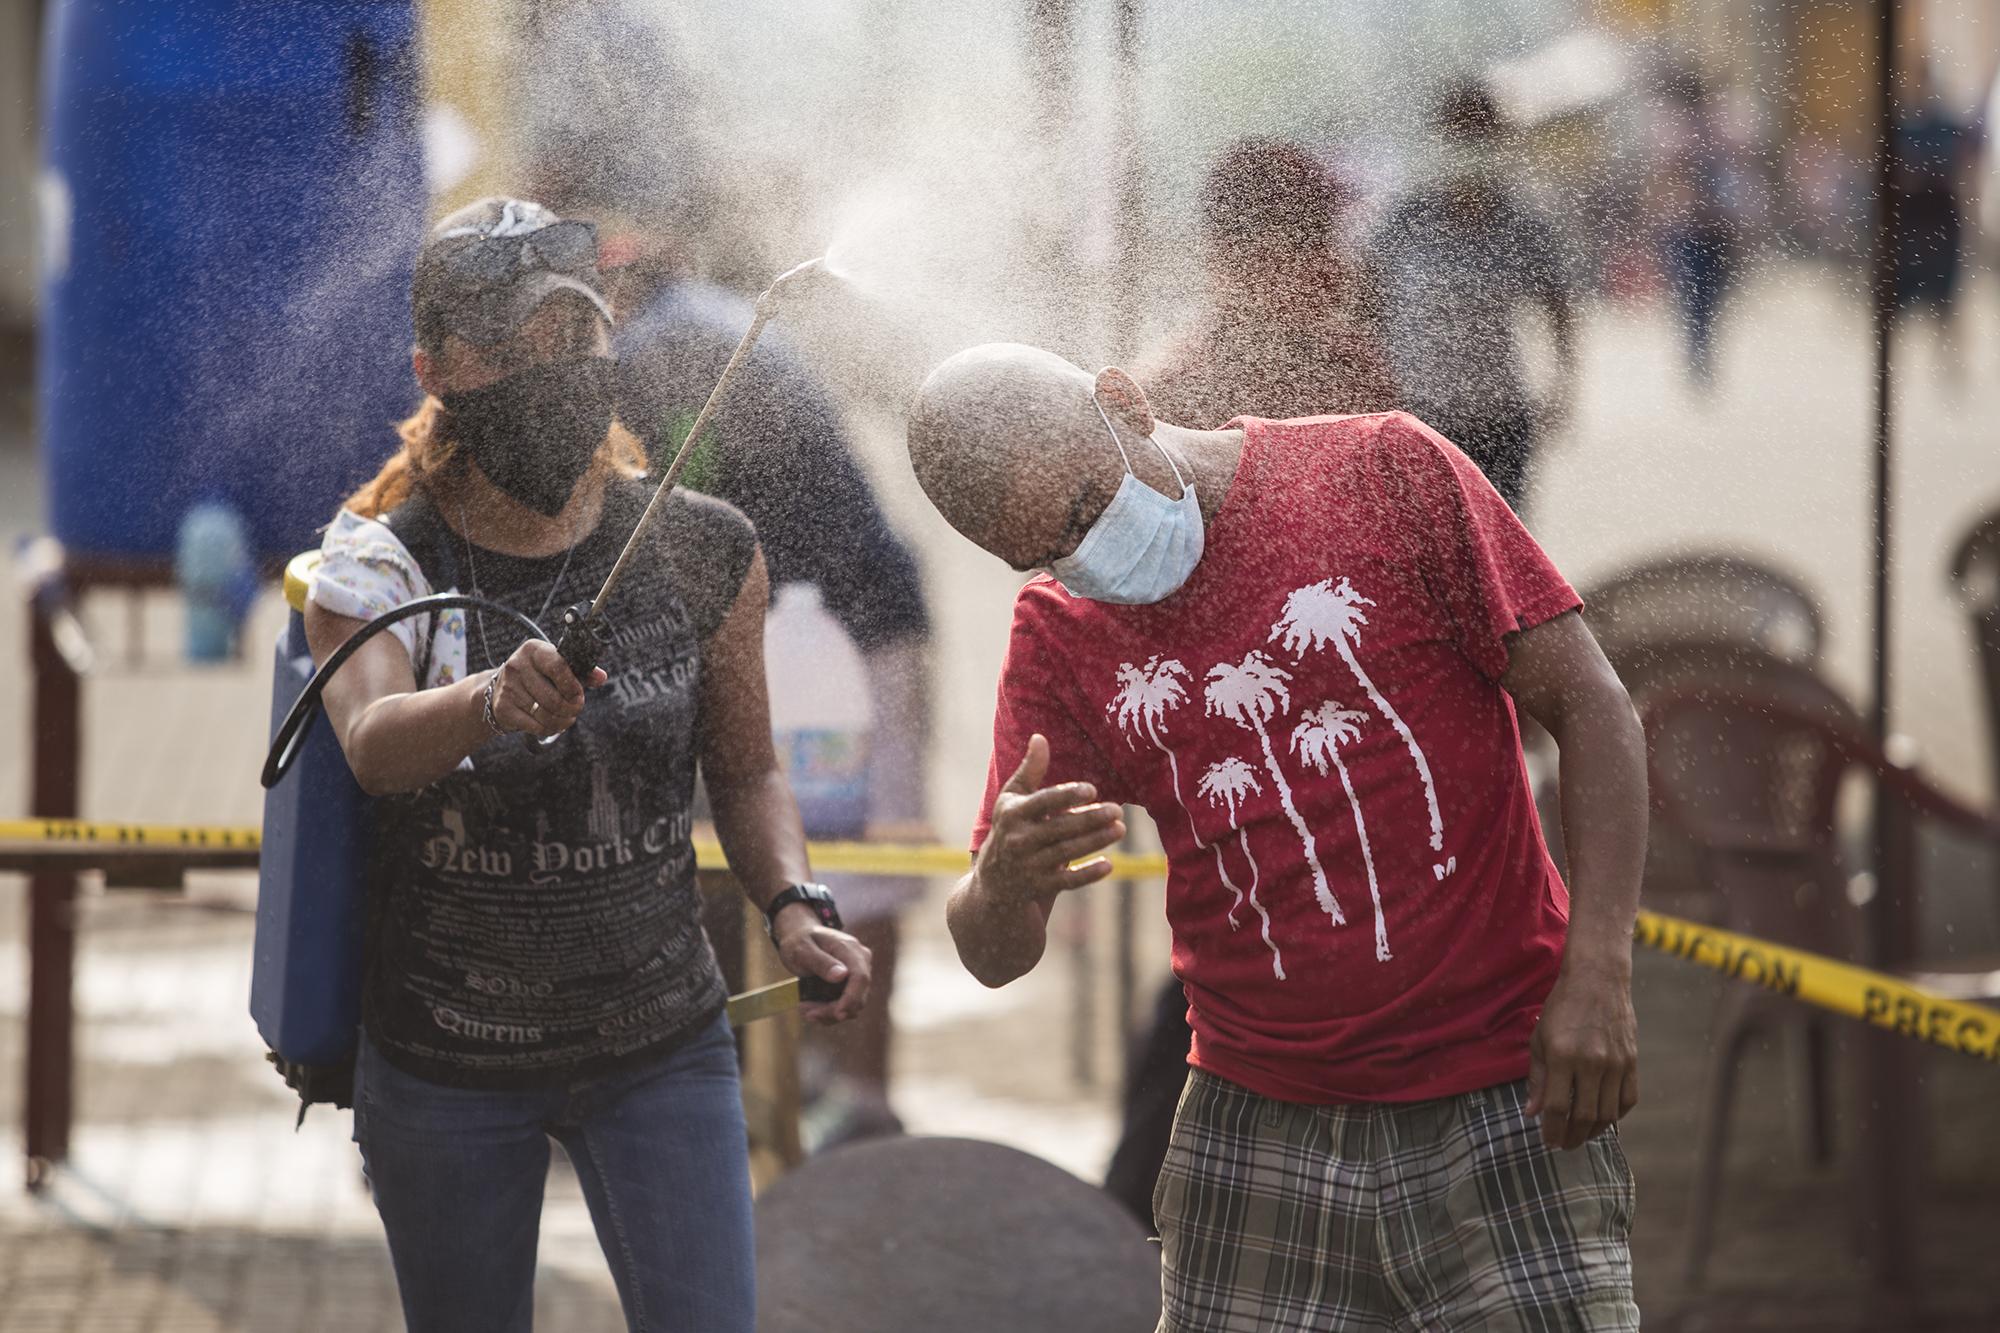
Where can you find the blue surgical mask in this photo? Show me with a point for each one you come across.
(1143, 546)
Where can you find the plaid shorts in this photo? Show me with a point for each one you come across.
(1446, 1214)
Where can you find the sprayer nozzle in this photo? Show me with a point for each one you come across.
(812, 268)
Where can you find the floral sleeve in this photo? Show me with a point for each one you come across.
(365, 570)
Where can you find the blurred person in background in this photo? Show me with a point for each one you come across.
(608, 113)
(536, 966)
(1986, 179)
(610, 134)
(1288, 330)
(1828, 191)
(778, 450)
(1691, 200)
(1286, 335)
(1453, 262)
(1935, 151)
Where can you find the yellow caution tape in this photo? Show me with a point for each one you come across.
(911, 859)
(77, 832)
(1840, 988)
(861, 858)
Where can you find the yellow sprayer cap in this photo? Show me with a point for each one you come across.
(298, 577)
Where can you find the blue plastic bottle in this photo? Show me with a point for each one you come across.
(821, 713)
(212, 563)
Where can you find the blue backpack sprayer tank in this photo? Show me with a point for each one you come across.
(305, 990)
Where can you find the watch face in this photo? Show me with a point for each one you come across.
(821, 899)
(816, 896)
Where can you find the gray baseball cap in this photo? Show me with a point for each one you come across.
(489, 265)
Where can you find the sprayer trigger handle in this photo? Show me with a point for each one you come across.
(578, 643)
(818, 990)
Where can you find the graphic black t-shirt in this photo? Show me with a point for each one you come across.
(535, 918)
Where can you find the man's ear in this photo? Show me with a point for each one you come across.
(425, 365)
(1124, 399)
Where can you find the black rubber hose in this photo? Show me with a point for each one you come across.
(291, 732)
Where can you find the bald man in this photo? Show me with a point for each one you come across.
(1299, 646)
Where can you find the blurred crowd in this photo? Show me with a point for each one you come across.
(1675, 187)
(1724, 183)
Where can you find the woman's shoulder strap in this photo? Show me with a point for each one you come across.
(417, 524)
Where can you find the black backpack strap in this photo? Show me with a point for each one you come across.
(430, 542)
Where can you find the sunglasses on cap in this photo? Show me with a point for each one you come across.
(483, 260)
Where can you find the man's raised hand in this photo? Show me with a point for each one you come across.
(1038, 832)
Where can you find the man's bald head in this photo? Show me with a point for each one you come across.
(1010, 443)
(988, 416)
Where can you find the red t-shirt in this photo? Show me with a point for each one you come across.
(1314, 721)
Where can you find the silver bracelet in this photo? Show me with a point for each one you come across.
(486, 709)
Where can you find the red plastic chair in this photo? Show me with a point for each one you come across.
(1748, 757)
(1645, 617)
(1975, 568)
(1704, 599)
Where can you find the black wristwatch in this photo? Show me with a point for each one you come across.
(812, 989)
(816, 896)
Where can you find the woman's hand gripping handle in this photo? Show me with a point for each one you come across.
(536, 693)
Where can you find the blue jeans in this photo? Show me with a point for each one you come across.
(661, 1153)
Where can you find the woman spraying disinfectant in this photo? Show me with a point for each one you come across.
(534, 964)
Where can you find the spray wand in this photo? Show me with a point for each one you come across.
(580, 642)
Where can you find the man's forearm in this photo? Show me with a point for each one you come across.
(999, 914)
(998, 939)
(1604, 828)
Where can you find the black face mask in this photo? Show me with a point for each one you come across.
(535, 433)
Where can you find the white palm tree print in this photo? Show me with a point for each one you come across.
(1323, 612)
(1317, 741)
(1145, 696)
(1249, 694)
(1225, 783)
